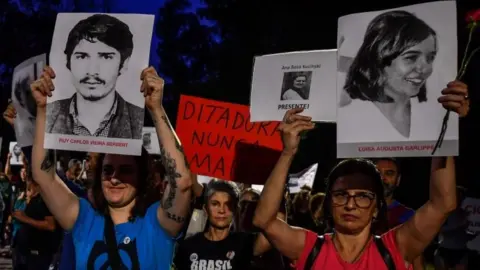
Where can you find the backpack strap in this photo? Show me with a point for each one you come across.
(112, 248)
(387, 257)
(314, 252)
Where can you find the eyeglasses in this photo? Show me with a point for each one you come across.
(361, 199)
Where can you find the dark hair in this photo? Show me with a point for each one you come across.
(387, 36)
(391, 159)
(104, 28)
(141, 203)
(223, 186)
(23, 94)
(254, 192)
(356, 166)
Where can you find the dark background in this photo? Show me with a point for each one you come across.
(206, 49)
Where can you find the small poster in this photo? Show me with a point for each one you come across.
(150, 140)
(97, 105)
(294, 80)
(392, 66)
(16, 151)
(23, 102)
(301, 179)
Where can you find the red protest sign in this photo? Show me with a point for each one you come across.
(209, 131)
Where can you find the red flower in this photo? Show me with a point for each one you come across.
(473, 16)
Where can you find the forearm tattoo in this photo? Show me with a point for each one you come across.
(175, 218)
(47, 163)
(177, 143)
(171, 175)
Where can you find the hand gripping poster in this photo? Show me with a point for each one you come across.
(97, 105)
(392, 66)
(290, 80)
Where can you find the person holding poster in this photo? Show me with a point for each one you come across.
(145, 233)
(354, 207)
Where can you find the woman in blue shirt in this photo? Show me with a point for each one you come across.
(142, 236)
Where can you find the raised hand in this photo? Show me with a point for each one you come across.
(291, 127)
(455, 98)
(152, 88)
(10, 114)
(43, 87)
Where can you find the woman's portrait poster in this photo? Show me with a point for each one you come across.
(391, 68)
(301, 79)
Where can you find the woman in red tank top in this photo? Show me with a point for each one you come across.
(354, 207)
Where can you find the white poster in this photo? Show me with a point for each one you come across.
(301, 179)
(23, 75)
(150, 140)
(97, 105)
(392, 67)
(294, 80)
(16, 151)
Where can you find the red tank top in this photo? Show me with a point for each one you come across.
(370, 259)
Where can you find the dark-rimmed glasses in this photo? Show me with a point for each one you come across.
(361, 199)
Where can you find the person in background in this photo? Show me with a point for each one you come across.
(316, 211)
(453, 238)
(271, 259)
(39, 235)
(218, 246)
(397, 213)
(301, 216)
(74, 170)
(18, 258)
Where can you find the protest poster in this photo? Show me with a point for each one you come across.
(304, 178)
(97, 105)
(290, 80)
(392, 66)
(23, 102)
(210, 130)
(16, 154)
(150, 140)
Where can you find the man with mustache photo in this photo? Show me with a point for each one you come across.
(97, 52)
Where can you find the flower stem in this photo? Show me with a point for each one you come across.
(460, 76)
(465, 53)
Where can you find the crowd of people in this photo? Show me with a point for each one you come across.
(108, 211)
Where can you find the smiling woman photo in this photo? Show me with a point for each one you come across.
(392, 66)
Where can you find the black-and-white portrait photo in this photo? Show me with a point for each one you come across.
(150, 141)
(390, 77)
(296, 85)
(147, 140)
(16, 154)
(98, 59)
(23, 75)
(294, 79)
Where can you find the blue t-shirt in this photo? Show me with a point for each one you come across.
(142, 244)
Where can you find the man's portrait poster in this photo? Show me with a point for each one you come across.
(97, 104)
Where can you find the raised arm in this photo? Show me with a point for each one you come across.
(62, 203)
(173, 212)
(417, 233)
(288, 240)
